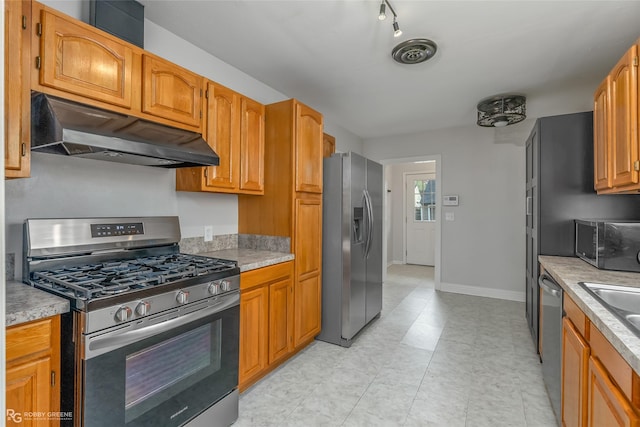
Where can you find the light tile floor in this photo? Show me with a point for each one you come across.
(431, 359)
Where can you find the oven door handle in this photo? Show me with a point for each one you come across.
(117, 339)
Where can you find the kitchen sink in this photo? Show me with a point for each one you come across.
(622, 301)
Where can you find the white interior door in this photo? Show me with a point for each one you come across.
(420, 218)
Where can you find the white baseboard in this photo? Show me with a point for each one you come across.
(482, 292)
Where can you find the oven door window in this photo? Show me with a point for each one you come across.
(166, 379)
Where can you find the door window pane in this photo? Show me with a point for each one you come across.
(425, 199)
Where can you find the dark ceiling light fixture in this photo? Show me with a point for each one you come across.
(397, 32)
(502, 110)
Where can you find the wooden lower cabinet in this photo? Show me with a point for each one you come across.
(599, 388)
(575, 361)
(254, 318)
(33, 372)
(308, 294)
(280, 322)
(607, 405)
(266, 321)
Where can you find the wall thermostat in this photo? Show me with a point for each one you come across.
(450, 200)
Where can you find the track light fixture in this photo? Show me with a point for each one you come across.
(382, 16)
(397, 32)
(412, 51)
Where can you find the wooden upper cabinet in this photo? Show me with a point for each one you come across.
(328, 145)
(251, 147)
(223, 118)
(601, 138)
(171, 92)
(308, 150)
(85, 62)
(17, 106)
(235, 131)
(623, 91)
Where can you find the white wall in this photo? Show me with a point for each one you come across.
(71, 187)
(483, 250)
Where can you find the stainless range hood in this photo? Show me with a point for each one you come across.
(69, 128)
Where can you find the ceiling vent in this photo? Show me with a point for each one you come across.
(414, 51)
(502, 110)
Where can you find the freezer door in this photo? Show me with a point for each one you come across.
(353, 305)
(374, 254)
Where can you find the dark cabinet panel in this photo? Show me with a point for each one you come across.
(559, 189)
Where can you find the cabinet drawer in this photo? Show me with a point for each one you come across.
(617, 368)
(576, 316)
(264, 275)
(29, 338)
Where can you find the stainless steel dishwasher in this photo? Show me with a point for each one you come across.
(551, 339)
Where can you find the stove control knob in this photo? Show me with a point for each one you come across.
(123, 314)
(143, 308)
(225, 285)
(214, 288)
(182, 297)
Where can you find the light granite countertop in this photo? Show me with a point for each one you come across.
(25, 303)
(568, 272)
(250, 259)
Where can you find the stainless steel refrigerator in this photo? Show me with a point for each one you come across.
(351, 246)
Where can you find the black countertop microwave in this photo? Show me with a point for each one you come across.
(609, 244)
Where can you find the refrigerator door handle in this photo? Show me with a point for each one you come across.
(369, 223)
(366, 215)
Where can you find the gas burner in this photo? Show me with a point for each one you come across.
(114, 290)
(118, 277)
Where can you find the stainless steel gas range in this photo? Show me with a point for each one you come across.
(153, 335)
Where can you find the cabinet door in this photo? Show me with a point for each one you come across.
(280, 319)
(601, 140)
(254, 330)
(223, 136)
(607, 405)
(575, 362)
(308, 150)
(252, 147)
(328, 145)
(82, 61)
(171, 92)
(308, 250)
(28, 390)
(17, 142)
(623, 92)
